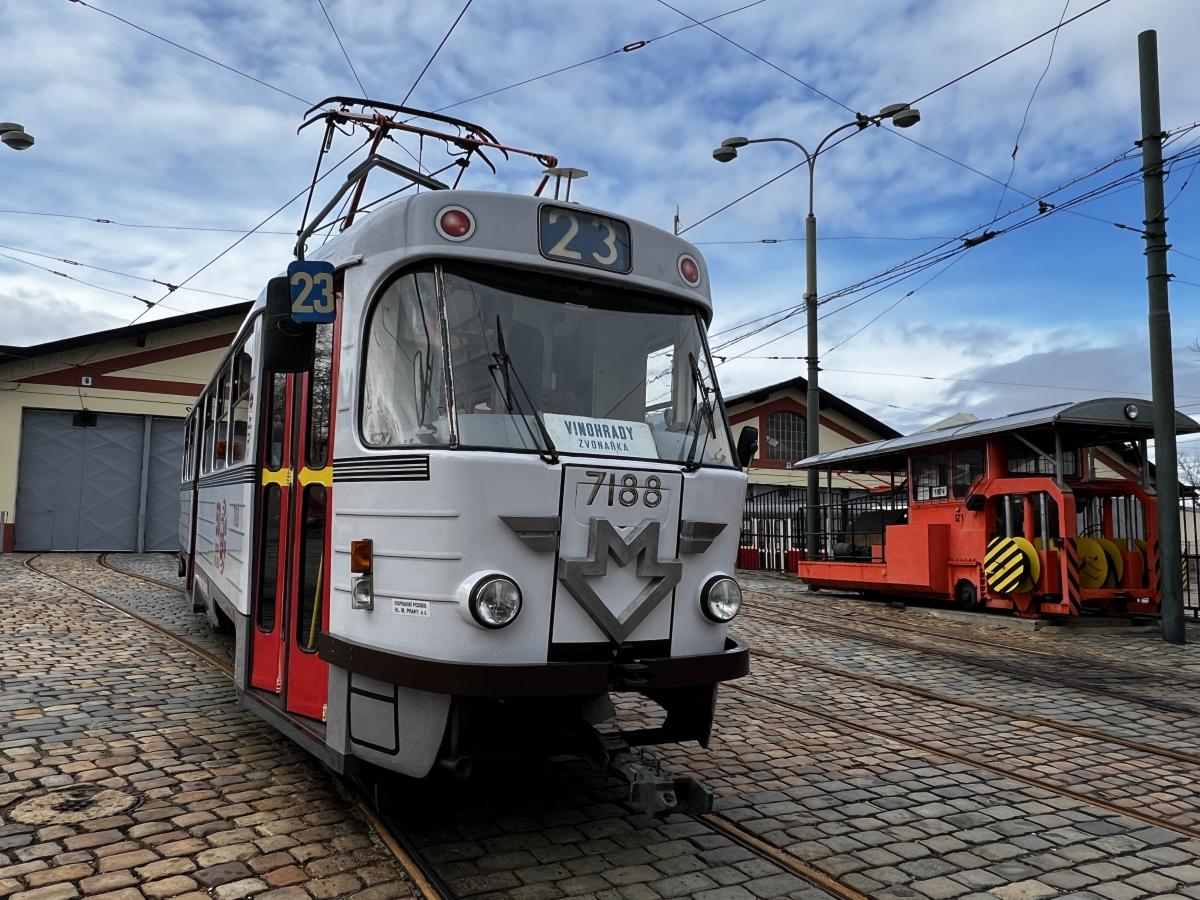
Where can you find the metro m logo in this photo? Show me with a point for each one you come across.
(605, 541)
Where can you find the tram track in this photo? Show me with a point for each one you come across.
(1020, 719)
(859, 727)
(417, 870)
(391, 832)
(821, 609)
(1054, 680)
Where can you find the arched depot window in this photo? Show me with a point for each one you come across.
(404, 383)
(786, 436)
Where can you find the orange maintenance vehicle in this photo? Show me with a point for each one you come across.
(1045, 512)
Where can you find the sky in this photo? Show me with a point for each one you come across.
(136, 131)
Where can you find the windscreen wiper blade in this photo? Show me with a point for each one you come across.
(704, 413)
(505, 363)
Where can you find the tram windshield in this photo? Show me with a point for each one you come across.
(538, 363)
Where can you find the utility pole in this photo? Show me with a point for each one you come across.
(812, 412)
(1162, 374)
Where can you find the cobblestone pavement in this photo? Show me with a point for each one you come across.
(561, 829)
(900, 818)
(128, 771)
(1143, 711)
(925, 798)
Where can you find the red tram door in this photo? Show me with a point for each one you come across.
(291, 601)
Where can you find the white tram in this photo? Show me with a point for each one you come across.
(497, 487)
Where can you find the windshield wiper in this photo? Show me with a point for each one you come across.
(504, 362)
(704, 414)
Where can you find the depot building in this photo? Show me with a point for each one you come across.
(91, 432)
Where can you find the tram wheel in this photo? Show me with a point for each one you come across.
(966, 595)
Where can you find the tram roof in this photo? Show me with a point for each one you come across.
(405, 226)
(1089, 423)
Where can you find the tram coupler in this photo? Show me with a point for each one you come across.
(658, 793)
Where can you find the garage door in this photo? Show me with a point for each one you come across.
(102, 487)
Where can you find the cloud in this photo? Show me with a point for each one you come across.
(134, 130)
(34, 316)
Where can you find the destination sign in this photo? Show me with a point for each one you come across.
(583, 238)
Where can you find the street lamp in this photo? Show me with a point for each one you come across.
(902, 116)
(15, 136)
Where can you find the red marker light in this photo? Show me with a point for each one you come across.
(455, 223)
(689, 270)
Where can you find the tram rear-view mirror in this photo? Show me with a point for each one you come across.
(747, 445)
(287, 344)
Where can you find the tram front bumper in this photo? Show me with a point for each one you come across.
(545, 679)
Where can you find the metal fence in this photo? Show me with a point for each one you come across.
(852, 526)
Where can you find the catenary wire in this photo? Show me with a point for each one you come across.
(761, 59)
(437, 50)
(787, 311)
(900, 134)
(1009, 52)
(1028, 106)
(627, 48)
(29, 212)
(337, 37)
(72, 262)
(940, 272)
(197, 53)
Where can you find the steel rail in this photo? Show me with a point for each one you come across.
(426, 878)
(1056, 681)
(1021, 720)
(782, 858)
(395, 843)
(857, 727)
(211, 658)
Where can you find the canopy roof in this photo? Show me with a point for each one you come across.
(1088, 424)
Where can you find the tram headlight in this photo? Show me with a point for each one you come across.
(720, 598)
(362, 593)
(495, 601)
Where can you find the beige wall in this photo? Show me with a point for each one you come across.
(15, 396)
(831, 439)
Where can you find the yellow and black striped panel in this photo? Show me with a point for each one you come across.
(1005, 564)
(1073, 596)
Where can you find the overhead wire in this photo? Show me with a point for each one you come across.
(231, 68)
(940, 272)
(178, 46)
(761, 59)
(72, 262)
(29, 212)
(436, 51)
(893, 131)
(337, 37)
(1043, 207)
(1009, 52)
(627, 48)
(1029, 105)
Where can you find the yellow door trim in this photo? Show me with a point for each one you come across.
(316, 476)
(281, 477)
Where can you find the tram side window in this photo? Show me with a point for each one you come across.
(206, 438)
(930, 477)
(321, 401)
(968, 465)
(243, 366)
(221, 421)
(185, 470)
(404, 388)
(278, 413)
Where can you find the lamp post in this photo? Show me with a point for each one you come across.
(15, 136)
(902, 116)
